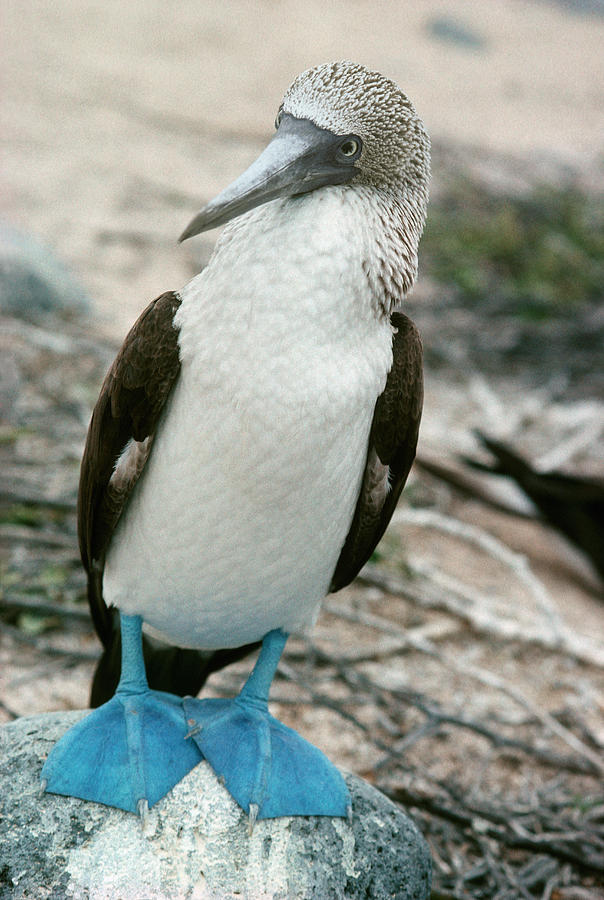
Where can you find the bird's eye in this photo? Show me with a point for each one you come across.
(278, 119)
(351, 147)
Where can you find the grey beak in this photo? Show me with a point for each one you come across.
(300, 158)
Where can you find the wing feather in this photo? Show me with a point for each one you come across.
(390, 454)
(120, 437)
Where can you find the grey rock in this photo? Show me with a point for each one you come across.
(195, 843)
(33, 282)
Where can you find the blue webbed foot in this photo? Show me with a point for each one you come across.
(267, 768)
(132, 750)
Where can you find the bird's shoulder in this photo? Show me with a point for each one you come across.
(144, 370)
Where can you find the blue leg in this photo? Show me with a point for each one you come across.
(132, 750)
(268, 768)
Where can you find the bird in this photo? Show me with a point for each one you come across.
(250, 443)
(571, 504)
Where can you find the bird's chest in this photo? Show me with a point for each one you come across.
(281, 417)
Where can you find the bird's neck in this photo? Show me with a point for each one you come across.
(331, 260)
(395, 224)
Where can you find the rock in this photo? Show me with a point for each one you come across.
(195, 843)
(33, 283)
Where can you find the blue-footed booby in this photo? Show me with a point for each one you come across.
(250, 443)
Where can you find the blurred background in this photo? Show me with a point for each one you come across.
(119, 121)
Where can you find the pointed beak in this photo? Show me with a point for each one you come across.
(300, 158)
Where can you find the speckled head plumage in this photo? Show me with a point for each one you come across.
(384, 179)
(345, 97)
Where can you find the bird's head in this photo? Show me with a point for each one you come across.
(338, 123)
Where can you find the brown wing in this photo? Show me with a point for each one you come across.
(119, 438)
(390, 454)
